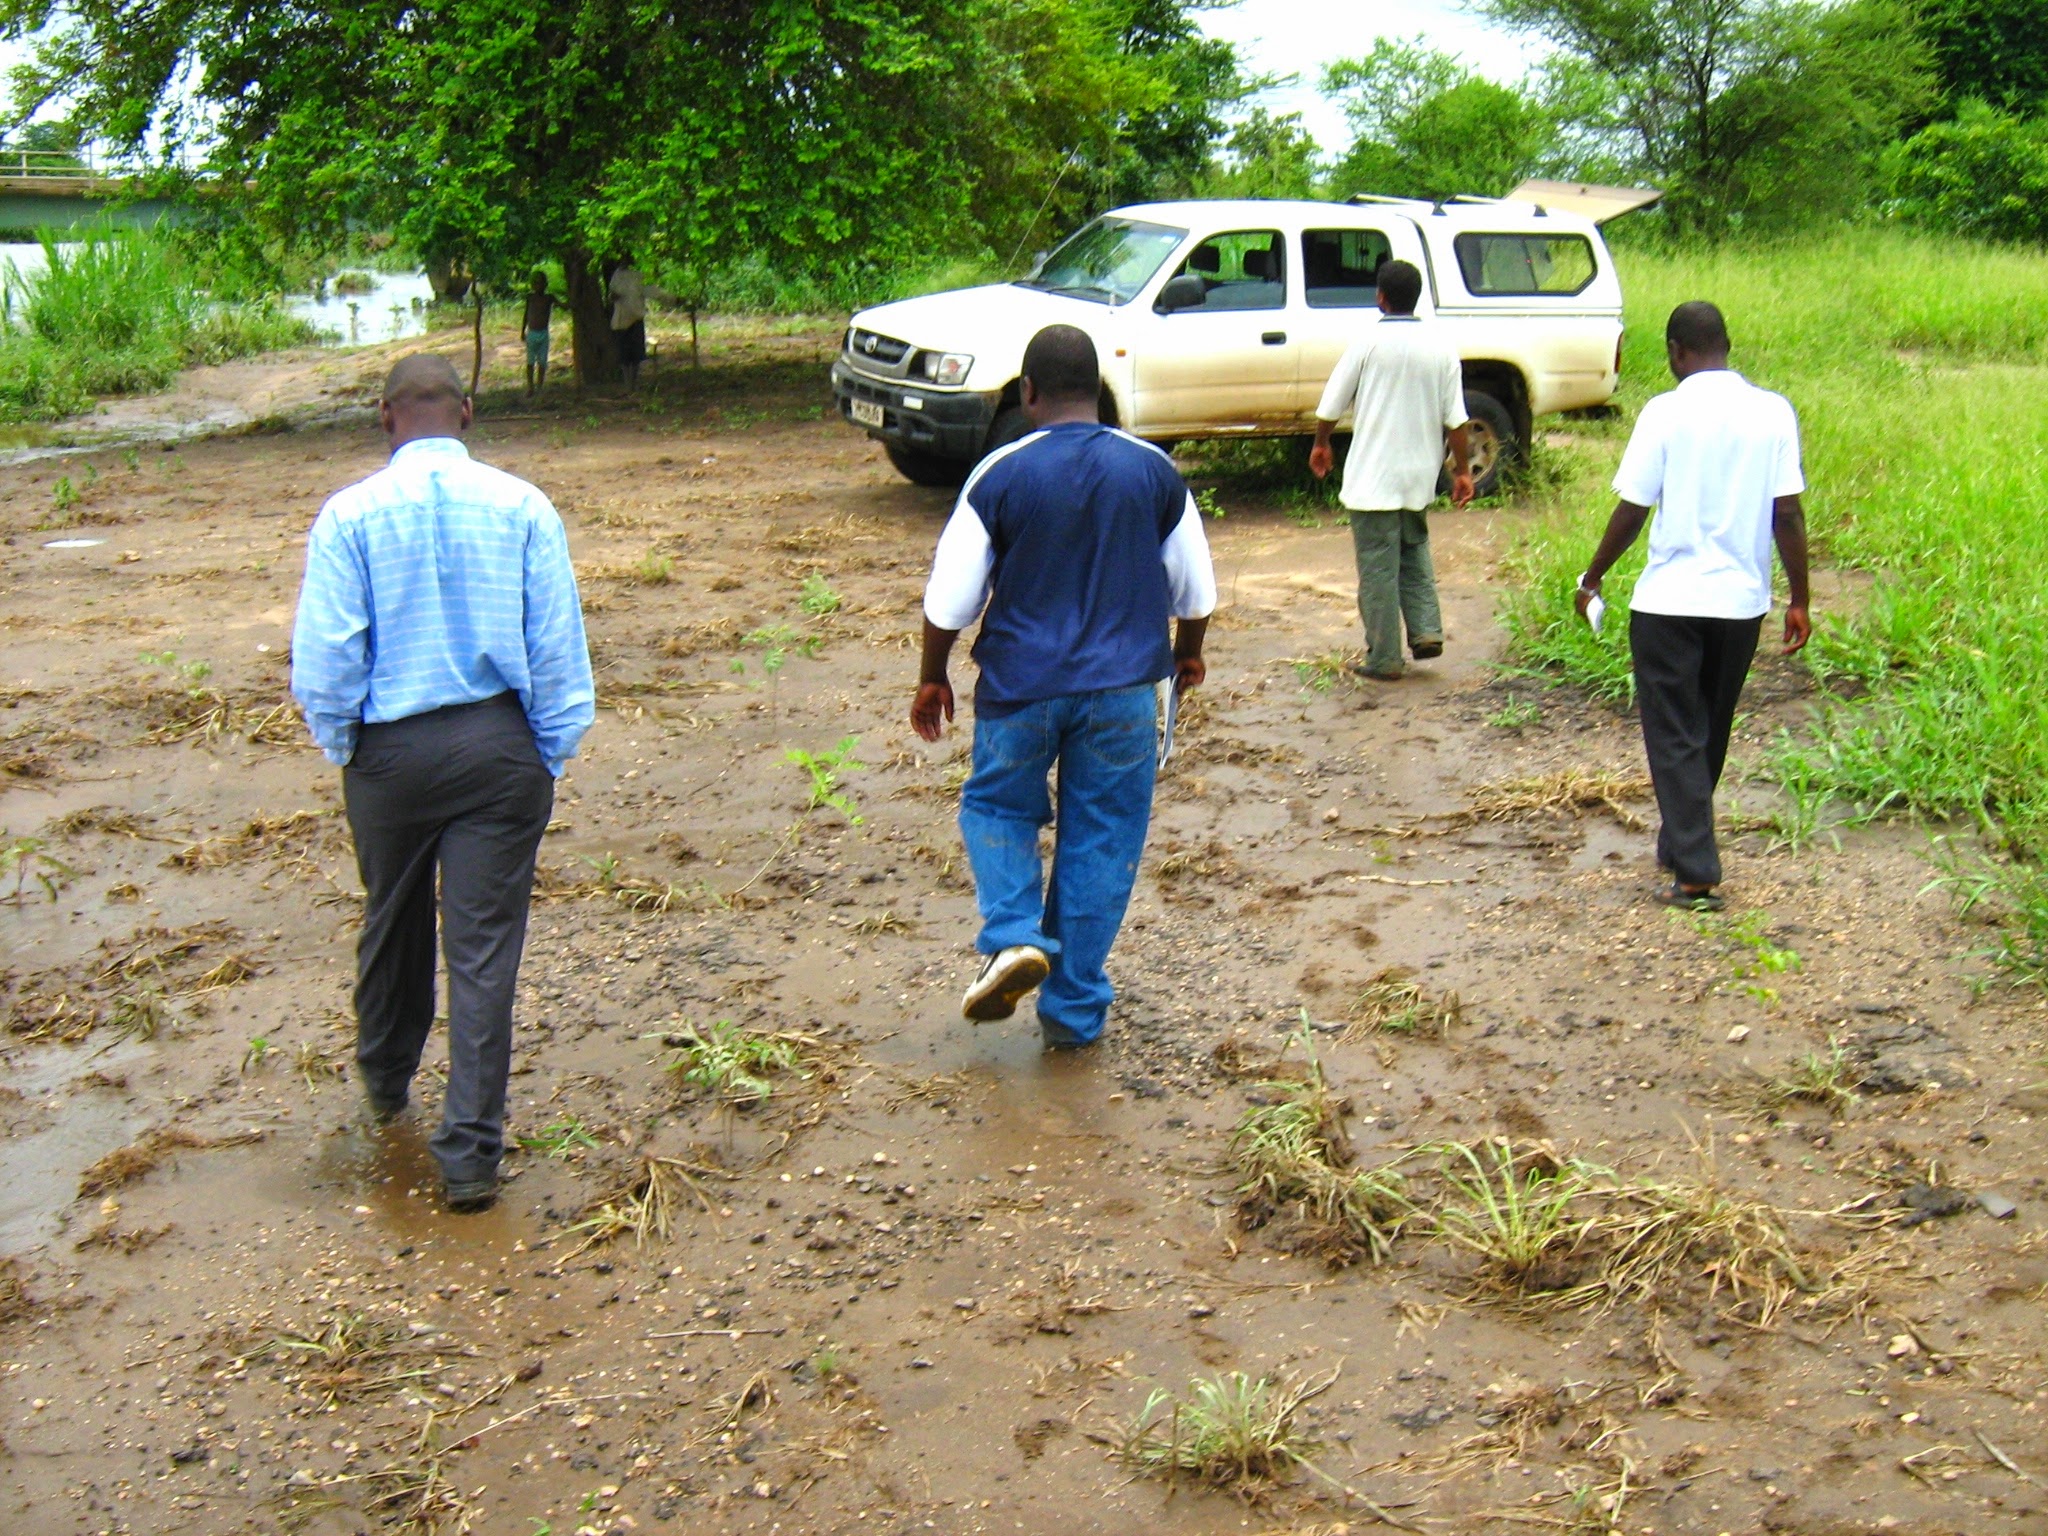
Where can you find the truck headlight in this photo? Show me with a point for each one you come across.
(947, 367)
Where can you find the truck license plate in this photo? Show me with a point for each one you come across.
(866, 412)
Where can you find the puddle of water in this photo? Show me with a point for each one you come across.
(384, 306)
(72, 543)
(81, 1124)
(389, 306)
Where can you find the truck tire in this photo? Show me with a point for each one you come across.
(1496, 449)
(921, 468)
(1010, 424)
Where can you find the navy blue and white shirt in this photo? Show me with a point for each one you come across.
(1075, 546)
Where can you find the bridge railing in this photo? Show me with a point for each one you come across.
(50, 164)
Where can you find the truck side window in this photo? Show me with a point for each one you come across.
(1340, 267)
(1246, 269)
(1495, 265)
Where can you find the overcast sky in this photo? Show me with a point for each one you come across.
(1299, 37)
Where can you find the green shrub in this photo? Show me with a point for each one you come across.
(119, 312)
(1985, 174)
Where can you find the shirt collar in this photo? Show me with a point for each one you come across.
(431, 447)
(1716, 374)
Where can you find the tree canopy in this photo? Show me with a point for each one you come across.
(819, 133)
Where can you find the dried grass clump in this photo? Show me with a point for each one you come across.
(15, 1300)
(296, 834)
(98, 818)
(1662, 1237)
(644, 1206)
(351, 1357)
(1393, 1003)
(1294, 1156)
(1566, 792)
(124, 1165)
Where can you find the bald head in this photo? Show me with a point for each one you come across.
(424, 397)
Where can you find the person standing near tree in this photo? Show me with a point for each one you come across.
(629, 319)
(534, 320)
(1076, 546)
(1718, 459)
(439, 656)
(1404, 389)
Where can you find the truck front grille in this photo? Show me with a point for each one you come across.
(875, 347)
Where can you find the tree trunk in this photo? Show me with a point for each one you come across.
(476, 364)
(590, 323)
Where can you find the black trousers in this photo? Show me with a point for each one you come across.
(461, 791)
(1689, 677)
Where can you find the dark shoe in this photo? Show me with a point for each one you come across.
(1058, 1039)
(1426, 650)
(1690, 901)
(465, 1196)
(1376, 677)
(1005, 979)
(382, 1110)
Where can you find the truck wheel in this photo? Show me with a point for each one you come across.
(921, 468)
(1009, 425)
(1495, 448)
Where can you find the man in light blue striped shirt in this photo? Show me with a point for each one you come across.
(439, 657)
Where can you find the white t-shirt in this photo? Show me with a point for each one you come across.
(1403, 388)
(1711, 456)
(629, 299)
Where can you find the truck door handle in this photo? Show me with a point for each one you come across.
(1274, 338)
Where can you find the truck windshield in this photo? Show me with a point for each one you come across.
(1107, 262)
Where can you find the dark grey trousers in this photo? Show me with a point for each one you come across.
(1689, 677)
(461, 790)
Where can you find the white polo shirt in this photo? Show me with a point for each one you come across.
(1711, 456)
(1403, 388)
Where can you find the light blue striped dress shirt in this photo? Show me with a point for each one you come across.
(440, 581)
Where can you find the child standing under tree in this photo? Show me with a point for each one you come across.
(533, 324)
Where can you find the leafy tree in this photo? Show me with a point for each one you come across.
(490, 134)
(1745, 110)
(1265, 156)
(1984, 174)
(1426, 126)
(1990, 50)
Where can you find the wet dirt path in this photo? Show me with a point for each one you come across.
(921, 1287)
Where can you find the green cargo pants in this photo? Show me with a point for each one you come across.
(1396, 581)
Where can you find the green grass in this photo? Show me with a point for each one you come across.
(1918, 366)
(118, 312)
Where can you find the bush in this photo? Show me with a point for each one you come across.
(1984, 174)
(119, 313)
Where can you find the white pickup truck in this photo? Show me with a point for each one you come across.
(1225, 319)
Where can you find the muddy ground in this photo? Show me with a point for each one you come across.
(930, 1282)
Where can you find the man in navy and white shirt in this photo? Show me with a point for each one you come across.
(1075, 546)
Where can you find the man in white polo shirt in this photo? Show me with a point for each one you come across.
(1719, 460)
(1404, 390)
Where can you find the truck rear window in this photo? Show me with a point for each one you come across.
(1340, 267)
(1497, 265)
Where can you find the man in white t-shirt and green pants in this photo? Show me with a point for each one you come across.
(1404, 389)
(1719, 460)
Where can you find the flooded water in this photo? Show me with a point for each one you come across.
(379, 306)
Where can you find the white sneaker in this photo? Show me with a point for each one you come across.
(1005, 979)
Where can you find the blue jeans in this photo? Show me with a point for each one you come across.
(1106, 746)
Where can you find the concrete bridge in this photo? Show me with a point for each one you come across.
(48, 189)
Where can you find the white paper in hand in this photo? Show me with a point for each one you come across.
(1169, 711)
(1595, 612)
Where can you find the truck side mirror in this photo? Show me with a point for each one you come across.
(1184, 292)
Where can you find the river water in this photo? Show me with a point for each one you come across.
(389, 306)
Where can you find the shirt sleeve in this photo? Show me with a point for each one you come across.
(1342, 389)
(1788, 477)
(562, 701)
(331, 640)
(958, 588)
(1640, 479)
(1455, 413)
(1190, 575)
